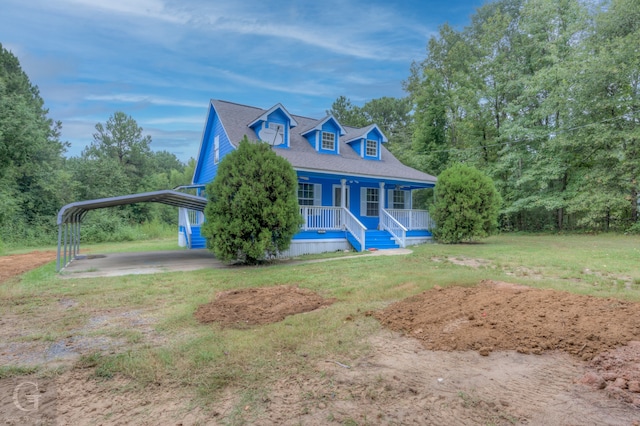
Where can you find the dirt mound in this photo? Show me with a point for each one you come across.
(502, 316)
(16, 264)
(251, 306)
(617, 372)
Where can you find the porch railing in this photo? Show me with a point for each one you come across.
(413, 219)
(395, 228)
(355, 227)
(317, 218)
(185, 222)
(321, 218)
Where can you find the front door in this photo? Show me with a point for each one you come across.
(337, 195)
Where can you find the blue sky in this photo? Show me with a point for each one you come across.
(161, 61)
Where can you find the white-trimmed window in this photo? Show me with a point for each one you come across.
(328, 141)
(398, 199)
(369, 201)
(216, 150)
(309, 194)
(372, 148)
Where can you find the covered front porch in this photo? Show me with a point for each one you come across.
(343, 213)
(366, 212)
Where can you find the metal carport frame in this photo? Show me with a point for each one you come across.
(70, 216)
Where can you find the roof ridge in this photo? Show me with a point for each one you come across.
(237, 104)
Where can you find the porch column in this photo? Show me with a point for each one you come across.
(381, 199)
(343, 202)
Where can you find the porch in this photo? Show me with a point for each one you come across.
(327, 228)
(397, 228)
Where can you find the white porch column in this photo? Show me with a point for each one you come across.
(381, 199)
(343, 193)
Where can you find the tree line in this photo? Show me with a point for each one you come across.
(542, 96)
(37, 179)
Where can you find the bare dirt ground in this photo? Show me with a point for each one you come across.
(496, 353)
(252, 306)
(17, 264)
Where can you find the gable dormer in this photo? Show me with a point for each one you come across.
(367, 142)
(274, 126)
(324, 137)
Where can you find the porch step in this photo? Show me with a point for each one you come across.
(380, 240)
(197, 240)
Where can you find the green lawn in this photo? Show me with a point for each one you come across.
(210, 359)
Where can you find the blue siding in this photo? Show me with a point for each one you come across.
(329, 127)
(206, 169)
(357, 146)
(373, 135)
(315, 235)
(312, 137)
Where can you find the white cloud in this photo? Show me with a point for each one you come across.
(150, 99)
(154, 9)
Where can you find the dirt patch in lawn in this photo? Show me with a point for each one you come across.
(16, 264)
(252, 306)
(502, 316)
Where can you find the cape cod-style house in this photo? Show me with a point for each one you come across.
(352, 191)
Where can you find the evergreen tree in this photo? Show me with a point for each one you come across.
(253, 206)
(33, 182)
(467, 205)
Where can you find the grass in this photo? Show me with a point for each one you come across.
(211, 360)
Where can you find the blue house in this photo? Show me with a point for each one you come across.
(352, 191)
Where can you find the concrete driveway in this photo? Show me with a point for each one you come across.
(117, 264)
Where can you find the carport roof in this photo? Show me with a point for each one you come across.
(74, 212)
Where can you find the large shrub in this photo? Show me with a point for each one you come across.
(466, 206)
(253, 206)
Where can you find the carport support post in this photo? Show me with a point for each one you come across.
(66, 228)
(59, 240)
(75, 240)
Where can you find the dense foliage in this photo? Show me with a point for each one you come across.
(36, 179)
(467, 205)
(253, 205)
(541, 95)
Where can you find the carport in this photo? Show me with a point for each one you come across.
(70, 216)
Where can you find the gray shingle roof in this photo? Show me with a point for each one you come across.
(302, 156)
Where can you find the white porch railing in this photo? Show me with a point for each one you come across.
(395, 228)
(355, 227)
(321, 218)
(317, 218)
(184, 221)
(196, 218)
(413, 219)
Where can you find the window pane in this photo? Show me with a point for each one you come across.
(305, 194)
(372, 202)
(328, 141)
(398, 199)
(372, 148)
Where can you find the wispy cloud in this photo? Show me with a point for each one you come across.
(154, 9)
(149, 99)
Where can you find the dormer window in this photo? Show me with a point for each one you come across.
(328, 141)
(372, 148)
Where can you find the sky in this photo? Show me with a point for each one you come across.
(161, 61)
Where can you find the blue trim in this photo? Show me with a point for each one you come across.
(315, 235)
(206, 169)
